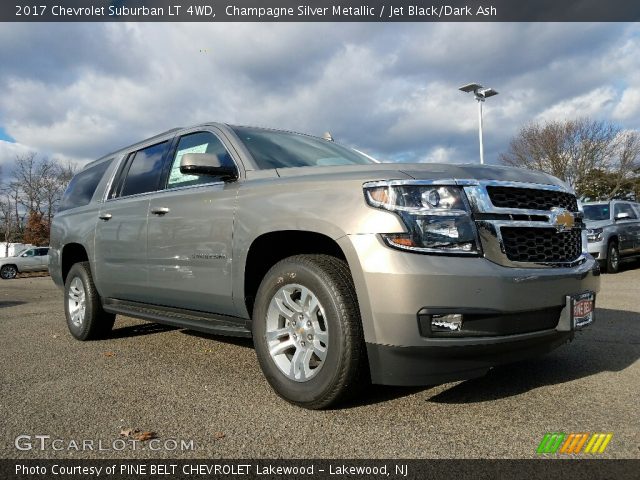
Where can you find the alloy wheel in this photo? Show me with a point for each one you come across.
(77, 302)
(296, 332)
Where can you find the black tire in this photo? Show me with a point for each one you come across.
(94, 323)
(345, 364)
(613, 257)
(7, 272)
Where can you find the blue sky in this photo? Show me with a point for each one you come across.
(77, 91)
(4, 136)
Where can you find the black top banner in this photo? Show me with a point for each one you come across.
(319, 10)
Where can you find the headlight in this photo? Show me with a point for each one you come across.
(594, 234)
(436, 216)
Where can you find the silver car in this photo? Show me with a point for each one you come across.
(613, 231)
(33, 259)
(343, 270)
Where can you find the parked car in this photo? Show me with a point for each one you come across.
(28, 260)
(343, 270)
(613, 231)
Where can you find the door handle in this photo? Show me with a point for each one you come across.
(105, 216)
(160, 210)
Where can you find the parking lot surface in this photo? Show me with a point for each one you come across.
(208, 391)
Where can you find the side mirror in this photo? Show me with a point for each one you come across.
(622, 216)
(206, 164)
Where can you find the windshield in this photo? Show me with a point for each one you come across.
(599, 211)
(277, 149)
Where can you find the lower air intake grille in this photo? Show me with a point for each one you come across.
(541, 245)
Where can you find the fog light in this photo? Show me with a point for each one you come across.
(446, 323)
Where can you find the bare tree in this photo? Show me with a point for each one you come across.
(6, 219)
(35, 189)
(568, 150)
(625, 162)
(40, 183)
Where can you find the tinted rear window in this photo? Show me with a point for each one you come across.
(277, 149)
(83, 186)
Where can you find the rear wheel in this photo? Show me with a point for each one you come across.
(82, 306)
(8, 272)
(307, 330)
(613, 257)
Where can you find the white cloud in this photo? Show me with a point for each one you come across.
(629, 105)
(389, 89)
(440, 155)
(8, 153)
(595, 103)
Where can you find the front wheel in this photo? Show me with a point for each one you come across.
(7, 272)
(82, 306)
(307, 330)
(613, 258)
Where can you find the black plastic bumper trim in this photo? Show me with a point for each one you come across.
(455, 359)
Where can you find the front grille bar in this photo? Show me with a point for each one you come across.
(566, 248)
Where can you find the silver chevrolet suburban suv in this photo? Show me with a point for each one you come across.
(342, 269)
(613, 232)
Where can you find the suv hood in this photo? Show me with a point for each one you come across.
(427, 171)
(597, 223)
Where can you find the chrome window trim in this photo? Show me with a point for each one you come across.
(118, 164)
(189, 131)
(187, 187)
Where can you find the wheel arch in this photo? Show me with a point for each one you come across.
(71, 254)
(271, 247)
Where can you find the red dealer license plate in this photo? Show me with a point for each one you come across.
(583, 309)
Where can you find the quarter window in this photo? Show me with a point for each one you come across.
(145, 170)
(83, 186)
(200, 142)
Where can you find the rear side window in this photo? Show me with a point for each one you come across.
(83, 186)
(145, 170)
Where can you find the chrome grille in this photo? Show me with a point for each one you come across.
(524, 225)
(541, 245)
(531, 199)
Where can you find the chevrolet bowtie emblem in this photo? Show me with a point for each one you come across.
(562, 219)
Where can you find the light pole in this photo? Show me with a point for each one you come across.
(481, 94)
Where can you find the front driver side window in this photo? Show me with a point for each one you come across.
(624, 208)
(200, 142)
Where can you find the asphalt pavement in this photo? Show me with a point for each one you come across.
(204, 396)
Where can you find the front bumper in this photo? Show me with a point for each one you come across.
(393, 286)
(598, 250)
(459, 360)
